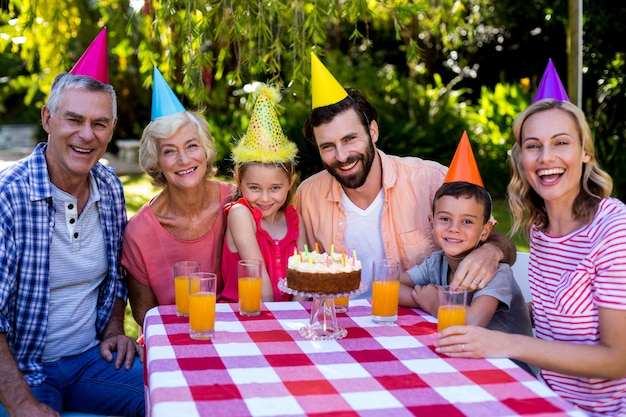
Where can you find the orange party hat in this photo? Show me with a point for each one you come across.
(463, 166)
(325, 89)
(94, 62)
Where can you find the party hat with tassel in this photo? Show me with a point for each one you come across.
(264, 140)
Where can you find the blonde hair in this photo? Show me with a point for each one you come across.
(527, 207)
(165, 127)
(289, 167)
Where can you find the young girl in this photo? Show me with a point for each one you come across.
(260, 223)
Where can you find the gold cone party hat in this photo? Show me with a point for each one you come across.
(325, 89)
(463, 166)
(264, 140)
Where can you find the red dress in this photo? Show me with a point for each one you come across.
(275, 253)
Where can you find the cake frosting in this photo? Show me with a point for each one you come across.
(323, 273)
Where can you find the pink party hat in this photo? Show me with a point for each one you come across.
(95, 61)
(463, 166)
(550, 85)
(164, 101)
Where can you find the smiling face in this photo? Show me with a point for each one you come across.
(78, 134)
(265, 187)
(182, 159)
(552, 157)
(459, 224)
(346, 148)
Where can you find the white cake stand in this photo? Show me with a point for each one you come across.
(323, 323)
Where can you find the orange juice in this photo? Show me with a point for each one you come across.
(202, 311)
(250, 294)
(341, 304)
(450, 316)
(385, 298)
(341, 301)
(181, 289)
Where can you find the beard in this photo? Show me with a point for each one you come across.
(357, 179)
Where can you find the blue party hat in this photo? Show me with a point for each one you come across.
(550, 85)
(164, 101)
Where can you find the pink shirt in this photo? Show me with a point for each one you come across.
(275, 254)
(149, 251)
(570, 278)
(409, 183)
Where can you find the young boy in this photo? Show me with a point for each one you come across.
(460, 222)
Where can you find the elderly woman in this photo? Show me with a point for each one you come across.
(185, 221)
(560, 198)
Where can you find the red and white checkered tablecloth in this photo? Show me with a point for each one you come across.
(262, 366)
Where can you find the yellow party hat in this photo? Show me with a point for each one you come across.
(325, 89)
(264, 140)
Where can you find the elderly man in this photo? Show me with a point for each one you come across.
(62, 297)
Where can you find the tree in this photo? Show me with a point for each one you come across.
(432, 67)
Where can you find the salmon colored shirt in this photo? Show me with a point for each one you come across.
(149, 252)
(409, 183)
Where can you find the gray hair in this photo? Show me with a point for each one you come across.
(165, 127)
(67, 81)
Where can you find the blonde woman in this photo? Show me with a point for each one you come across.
(185, 221)
(560, 198)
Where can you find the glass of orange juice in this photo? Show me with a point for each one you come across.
(249, 286)
(452, 306)
(202, 287)
(182, 272)
(385, 291)
(341, 304)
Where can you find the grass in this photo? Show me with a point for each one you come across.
(138, 191)
(502, 214)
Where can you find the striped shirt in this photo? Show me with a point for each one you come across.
(570, 278)
(26, 222)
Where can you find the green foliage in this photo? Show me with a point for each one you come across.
(432, 67)
(490, 122)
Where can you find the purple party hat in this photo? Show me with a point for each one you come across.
(551, 86)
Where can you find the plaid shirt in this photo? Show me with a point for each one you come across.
(26, 223)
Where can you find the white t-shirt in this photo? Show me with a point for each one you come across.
(364, 234)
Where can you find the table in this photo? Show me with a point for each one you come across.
(262, 366)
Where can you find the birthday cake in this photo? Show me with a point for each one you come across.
(323, 273)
